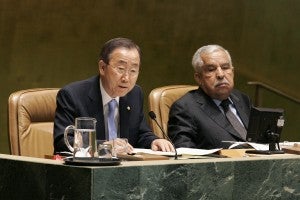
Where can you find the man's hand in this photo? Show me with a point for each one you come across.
(121, 145)
(162, 145)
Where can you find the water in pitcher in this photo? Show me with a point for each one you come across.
(85, 143)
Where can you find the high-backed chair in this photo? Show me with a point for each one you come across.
(30, 120)
(160, 100)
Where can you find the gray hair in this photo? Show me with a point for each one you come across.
(197, 61)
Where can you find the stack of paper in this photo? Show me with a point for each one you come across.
(180, 151)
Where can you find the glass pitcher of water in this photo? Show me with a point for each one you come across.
(84, 144)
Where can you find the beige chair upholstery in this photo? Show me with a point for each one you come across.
(30, 120)
(160, 101)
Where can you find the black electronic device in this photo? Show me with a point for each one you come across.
(265, 126)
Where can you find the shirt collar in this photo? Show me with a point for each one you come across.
(218, 102)
(105, 97)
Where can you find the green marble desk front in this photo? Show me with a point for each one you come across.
(268, 177)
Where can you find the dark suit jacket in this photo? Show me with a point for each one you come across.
(83, 99)
(196, 121)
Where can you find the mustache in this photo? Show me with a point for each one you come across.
(220, 82)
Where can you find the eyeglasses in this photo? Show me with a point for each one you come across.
(132, 72)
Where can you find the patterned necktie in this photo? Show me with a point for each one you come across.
(112, 128)
(233, 119)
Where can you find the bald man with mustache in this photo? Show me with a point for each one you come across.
(199, 119)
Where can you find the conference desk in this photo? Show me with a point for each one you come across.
(266, 177)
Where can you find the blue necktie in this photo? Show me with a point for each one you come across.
(112, 128)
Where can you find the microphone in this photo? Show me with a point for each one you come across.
(152, 115)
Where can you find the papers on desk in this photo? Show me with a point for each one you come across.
(256, 146)
(289, 144)
(202, 152)
(196, 152)
(180, 151)
(290, 147)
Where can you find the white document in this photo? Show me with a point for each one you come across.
(256, 146)
(196, 152)
(180, 151)
(261, 147)
(289, 144)
(149, 151)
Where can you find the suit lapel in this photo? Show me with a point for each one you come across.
(124, 112)
(211, 109)
(95, 108)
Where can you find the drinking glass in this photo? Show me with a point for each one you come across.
(120, 146)
(104, 149)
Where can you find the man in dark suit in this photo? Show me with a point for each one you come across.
(199, 119)
(119, 66)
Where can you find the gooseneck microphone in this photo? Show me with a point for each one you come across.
(152, 115)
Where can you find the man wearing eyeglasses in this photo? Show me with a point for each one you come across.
(214, 113)
(114, 88)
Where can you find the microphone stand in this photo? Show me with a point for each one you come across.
(152, 115)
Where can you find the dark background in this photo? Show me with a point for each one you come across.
(50, 43)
